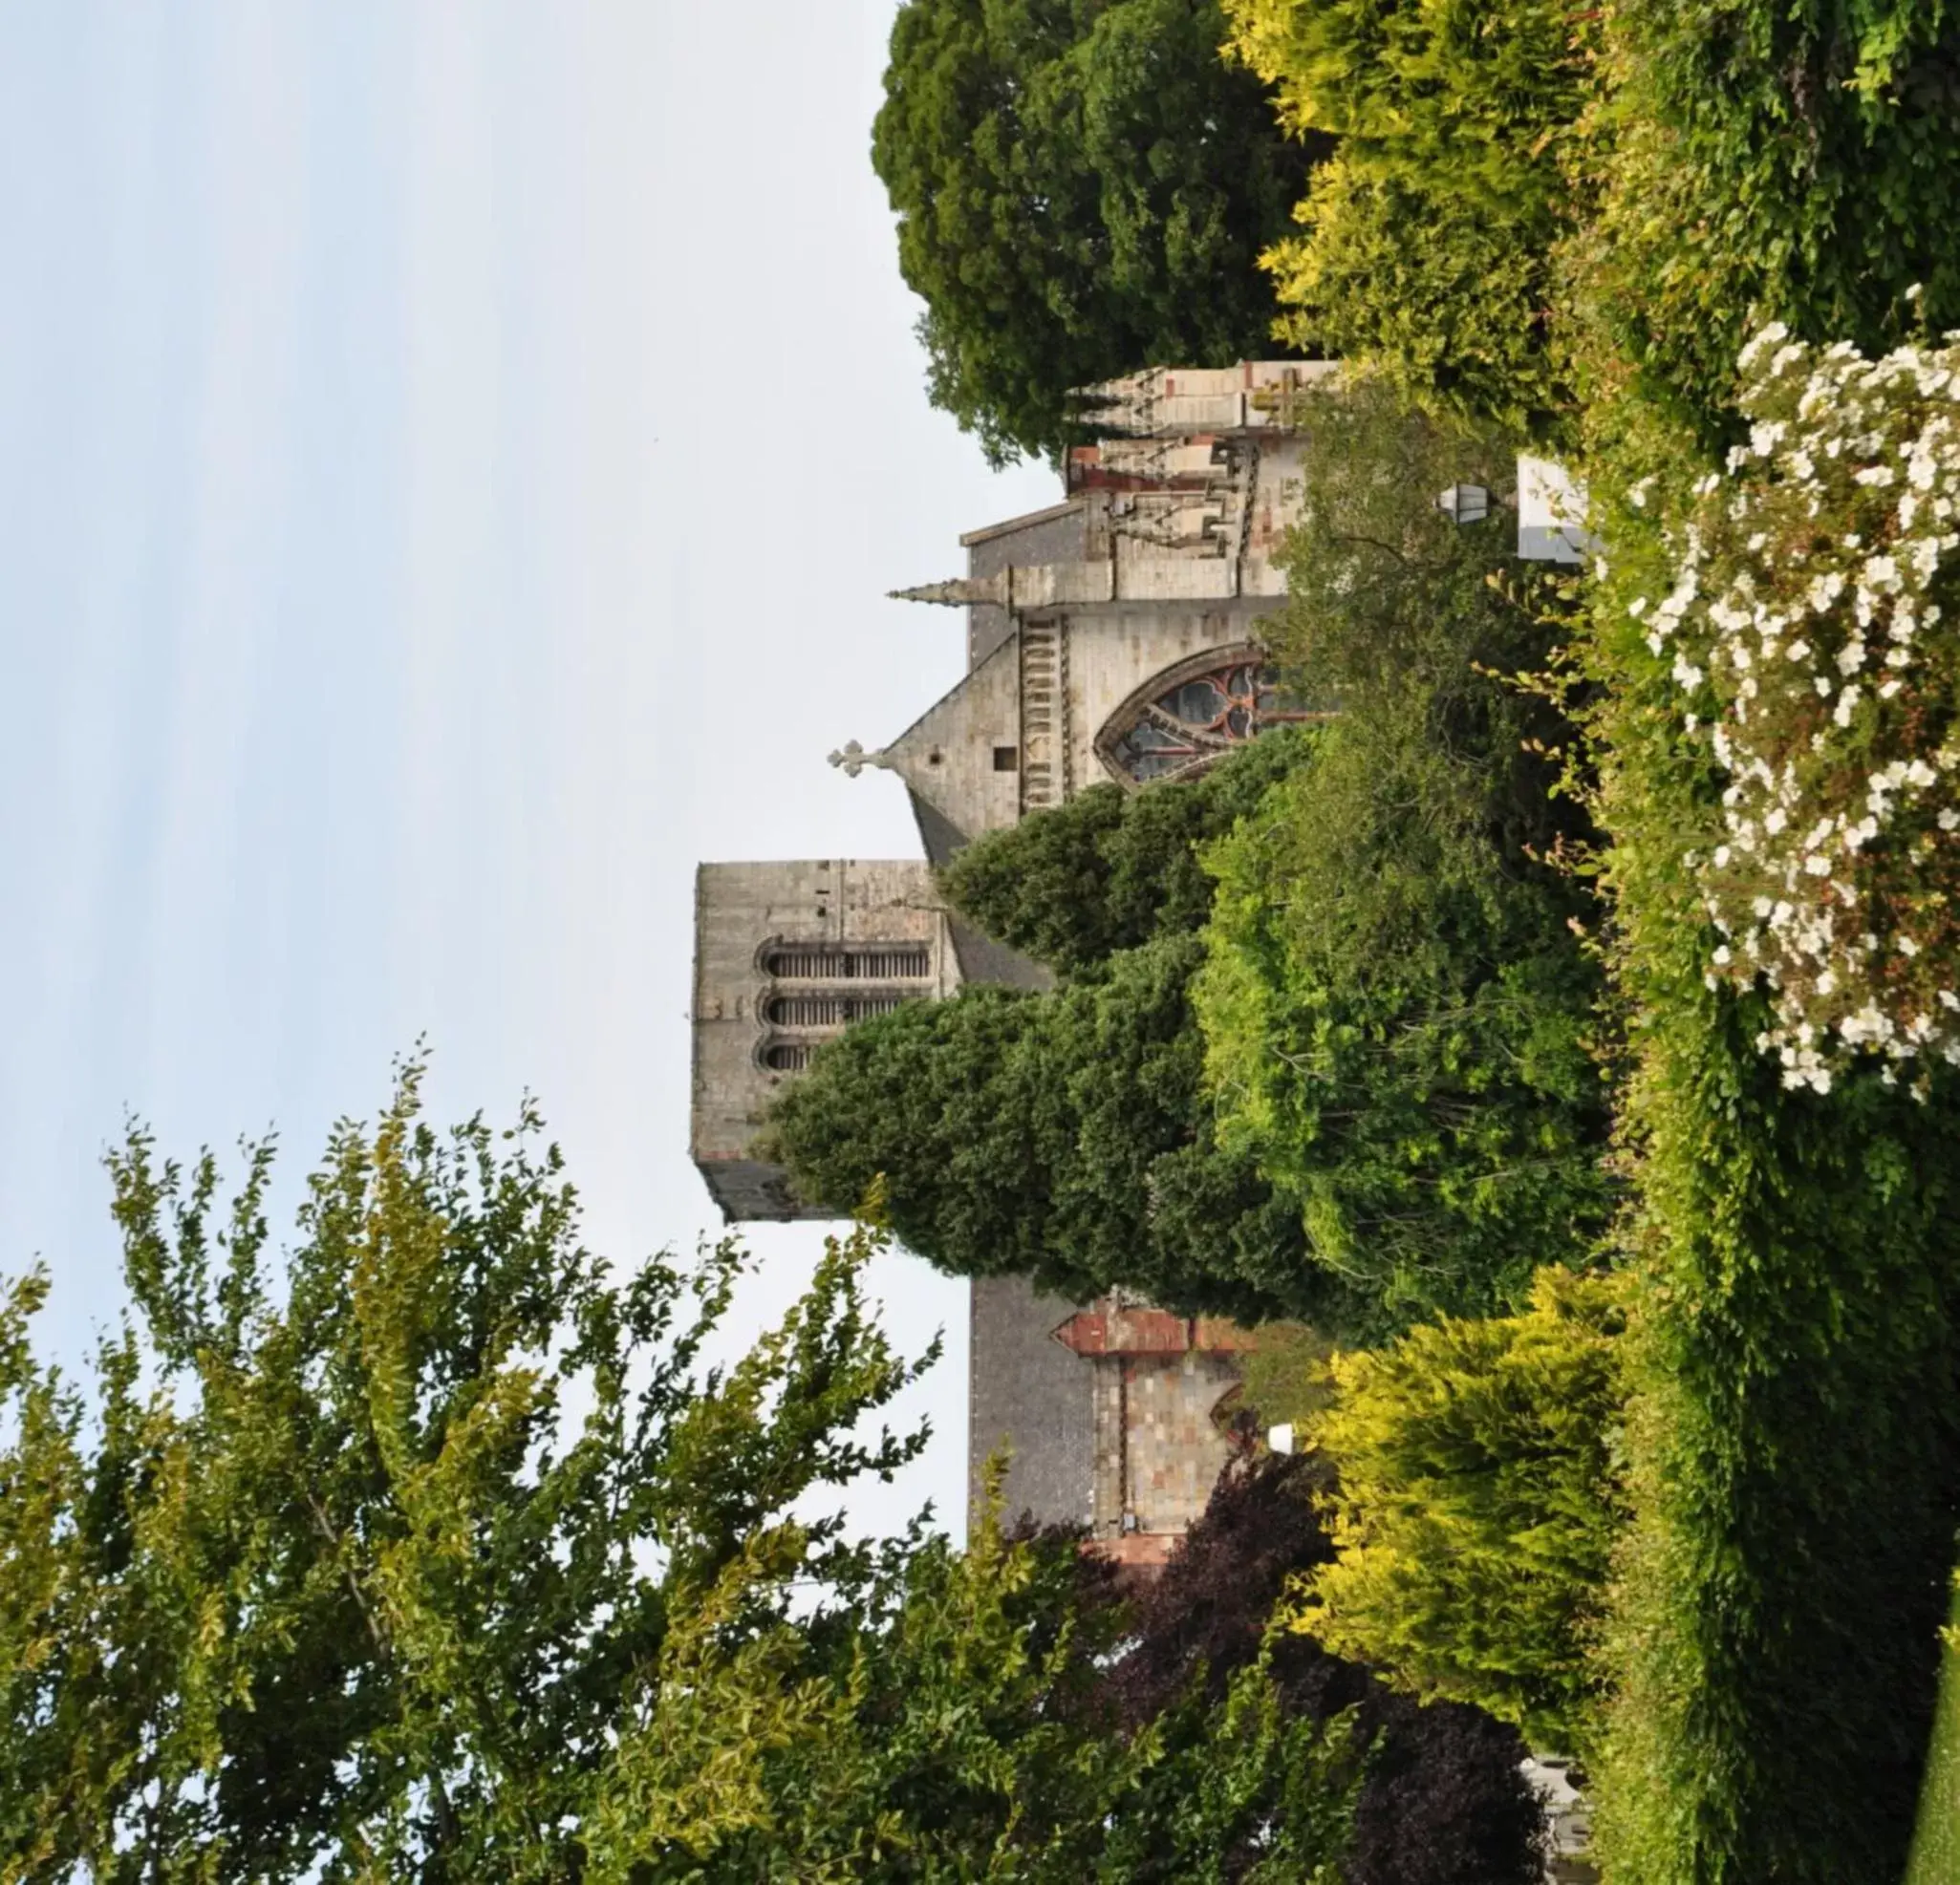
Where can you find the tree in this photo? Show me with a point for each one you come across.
(961, 1735)
(1428, 236)
(1443, 1800)
(1111, 870)
(1479, 1499)
(1082, 187)
(1367, 1090)
(1063, 1136)
(348, 1572)
(443, 1554)
(1401, 1025)
(1417, 625)
(1398, 1036)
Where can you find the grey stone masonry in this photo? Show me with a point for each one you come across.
(786, 957)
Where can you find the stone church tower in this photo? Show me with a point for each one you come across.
(785, 955)
(1110, 637)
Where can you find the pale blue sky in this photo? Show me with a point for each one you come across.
(454, 455)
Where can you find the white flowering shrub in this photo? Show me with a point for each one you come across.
(1813, 624)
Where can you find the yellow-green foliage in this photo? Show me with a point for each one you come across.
(1478, 1505)
(1936, 1839)
(960, 1739)
(347, 1561)
(437, 1554)
(1428, 235)
(1443, 296)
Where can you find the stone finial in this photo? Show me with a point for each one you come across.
(853, 759)
(956, 594)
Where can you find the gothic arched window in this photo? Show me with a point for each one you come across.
(1197, 712)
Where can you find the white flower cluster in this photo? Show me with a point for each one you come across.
(1803, 627)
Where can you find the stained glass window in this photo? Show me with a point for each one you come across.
(1204, 717)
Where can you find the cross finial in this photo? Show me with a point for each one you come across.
(853, 759)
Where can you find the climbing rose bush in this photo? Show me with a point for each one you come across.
(1814, 643)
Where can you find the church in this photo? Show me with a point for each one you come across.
(1113, 635)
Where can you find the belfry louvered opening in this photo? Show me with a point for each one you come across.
(831, 1008)
(818, 962)
(789, 1057)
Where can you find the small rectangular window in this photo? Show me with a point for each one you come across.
(1006, 758)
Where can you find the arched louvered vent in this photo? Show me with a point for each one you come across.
(804, 1010)
(830, 1008)
(888, 964)
(787, 1057)
(817, 962)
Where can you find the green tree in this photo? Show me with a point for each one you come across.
(1400, 1023)
(1427, 240)
(349, 1566)
(439, 1552)
(956, 1732)
(1111, 870)
(1061, 1136)
(1415, 623)
(1798, 164)
(1480, 1494)
(1083, 187)
(1394, 1109)
(1397, 1033)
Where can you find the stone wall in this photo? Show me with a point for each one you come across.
(1112, 656)
(1161, 1401)
(756, 1014)
(963, 755)
(1158, 1450)
(1166, 402)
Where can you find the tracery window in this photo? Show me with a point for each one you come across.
(1204, 710)
(822, 962)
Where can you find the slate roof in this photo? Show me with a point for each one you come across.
(1057, 535)
(937, 832)
(1026, 1390)
(982, 959)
